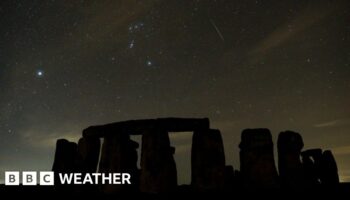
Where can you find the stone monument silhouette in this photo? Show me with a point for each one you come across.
(158, 173)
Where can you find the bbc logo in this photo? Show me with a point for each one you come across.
(29, 178)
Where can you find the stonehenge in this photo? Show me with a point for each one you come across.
(208, 160)
(258, 168)
(118, 155)
(290, 168)
(88, 152)
(65, 156)
(328, 169)
(158, 168)
(311, 161)
(157, 172)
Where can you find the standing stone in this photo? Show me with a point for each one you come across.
(89, 152)
(65, 161)
(119, 155)
(329, 169)
(230, 179)
(258, 168)
(158, 168)
(311, 163)
(65, 157)
(289, 163)
(208, 160)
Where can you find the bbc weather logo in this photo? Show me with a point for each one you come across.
(47, 178)
(29, 178)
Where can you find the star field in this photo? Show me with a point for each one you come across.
(66, 65)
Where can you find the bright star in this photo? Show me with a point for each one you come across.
(40, 73)
(149, 63)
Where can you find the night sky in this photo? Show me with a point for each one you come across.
(66, 65)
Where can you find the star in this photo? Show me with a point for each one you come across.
(135, 27)
(149, 63)
(131, 44)
(40, 73)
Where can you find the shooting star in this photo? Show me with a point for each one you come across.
(217, 30)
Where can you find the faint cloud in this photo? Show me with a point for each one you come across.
(326, 124)
(225, 125)
(284, 33)
(342, 150)
(344, 176)
(47, 138)
(337, 122)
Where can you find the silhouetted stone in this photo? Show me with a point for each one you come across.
(65, 157)
(289, 163)
(328, 169)
(209, 173)
(230, 179)
(137, 127)
(119, 155)
(258, 168)
(311, 163)
(65, 161)
(238, 179)
(158, 168)
(208, 160)
(88, 151)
